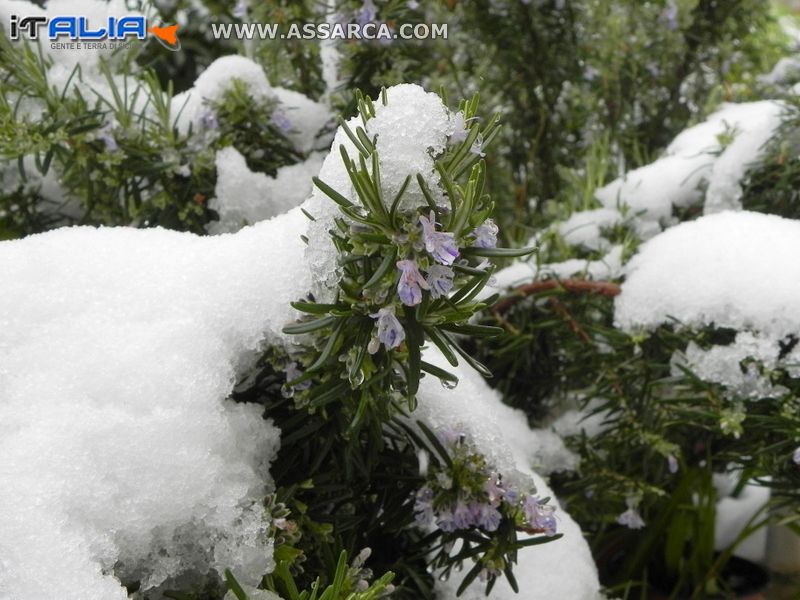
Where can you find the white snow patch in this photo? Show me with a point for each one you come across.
(732, 518)
(243, 197)
(306, 116)
(585, 228)
(696, 161)
(211, 85)
(734, 269)
(119, 348)
(724, 364)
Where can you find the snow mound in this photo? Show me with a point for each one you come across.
(563, 568)
(305, 116)
(211, 85)
(734, 269)
(585, 228)
(121, 457)
(245, 197)
(699, 158)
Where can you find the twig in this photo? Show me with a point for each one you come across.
(579, 286)
(559, 307)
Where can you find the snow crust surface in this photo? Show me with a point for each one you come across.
(699, 163)
(243, 197)
(734, 269)
(119, 450)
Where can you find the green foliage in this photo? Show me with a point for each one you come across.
(348, 469)
(586, 89)
(348, 582)
(119, 158)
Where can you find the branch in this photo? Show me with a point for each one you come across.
(578, 286)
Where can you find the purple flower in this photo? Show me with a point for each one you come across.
(280, 120)
(796, 456)
(390, 331)
(440, 280)
(590, 73)
(368, 13)
(411, 283)
(293, 372)
(441, 245)
(493, 489)
(463, 517)
(208, 119)
(477, 146)
(669, 16)
(540, 516)
(451, 436)
(240, 10)
(445, 521)
(511, 496)
(487, 517)
(631, 519)
(423, 506)
(672, 464)
(653, 68)
(486, 234)
(105, 134)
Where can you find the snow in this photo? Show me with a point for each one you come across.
(579, 421)
(561, 569)
(651, 191)
(723, 364)
(733, 269)
(412, 129)
(756, 126)
(696, 160)
(119, 348)
(306, 116)
(585, 228)
(733, 515)
(244, 197)
(786, 70)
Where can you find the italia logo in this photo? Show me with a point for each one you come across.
(76, 29)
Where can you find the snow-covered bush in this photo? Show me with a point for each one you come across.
(187, 490)
(144, 157)
(297, 407)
